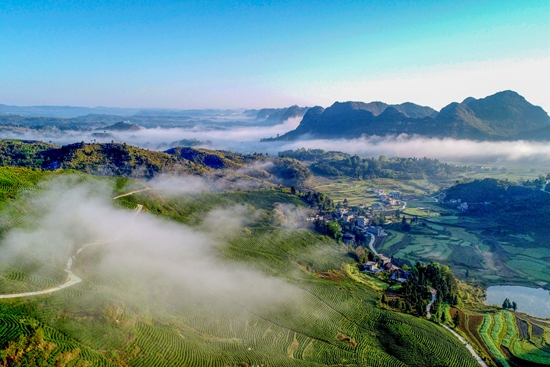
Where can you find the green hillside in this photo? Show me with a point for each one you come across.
(322, 318)
(116, 159)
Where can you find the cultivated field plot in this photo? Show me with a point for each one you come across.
(501, 334)
(361, 192)
(469, 245)
(355, 192)
(436, 246)
(507, 338)
(512, 173)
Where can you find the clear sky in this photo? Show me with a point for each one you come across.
(251, 54)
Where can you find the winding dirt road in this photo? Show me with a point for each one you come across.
(468, 346)
(429, 305)
(73, 279)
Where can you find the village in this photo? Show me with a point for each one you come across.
(362, 225)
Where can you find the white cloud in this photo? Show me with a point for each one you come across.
(443, 149)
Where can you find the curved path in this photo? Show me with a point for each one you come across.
(371, 245)
(462, 340)
(131, 193)
(73, 279)
(429, 305)
(468, 346)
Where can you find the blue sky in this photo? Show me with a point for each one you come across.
(250, 54)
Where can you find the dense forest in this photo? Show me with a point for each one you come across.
(521, 208)
(333, 164)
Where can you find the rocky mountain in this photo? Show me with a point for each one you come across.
(280, 115)
(503, 116)
(407, 108)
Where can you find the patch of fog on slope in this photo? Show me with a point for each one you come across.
(153, 251)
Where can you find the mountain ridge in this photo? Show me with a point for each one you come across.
(505, 115)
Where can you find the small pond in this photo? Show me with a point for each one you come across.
(534, 301)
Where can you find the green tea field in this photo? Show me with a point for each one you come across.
(320, 313)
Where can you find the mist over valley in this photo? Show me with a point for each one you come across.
(274, 184)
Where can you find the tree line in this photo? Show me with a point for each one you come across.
(341, 164)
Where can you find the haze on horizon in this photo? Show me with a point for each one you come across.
(248, 54)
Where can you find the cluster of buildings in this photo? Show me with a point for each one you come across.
(486, 169)
(355, 223)
(359, 220)
(462, 206)
(385, 264)
(391, 199)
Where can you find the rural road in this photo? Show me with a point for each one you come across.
(429, 305)
(131, 193)
(468, 346)
(462, 340)
(404, 205)
(73, 279)
(371, 245)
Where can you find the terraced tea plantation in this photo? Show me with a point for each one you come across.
(321, 313)
(510, 339)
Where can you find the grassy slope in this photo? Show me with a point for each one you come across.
(337, 323)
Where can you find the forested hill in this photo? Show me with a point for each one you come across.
(525, 208)
(335, 164)
(119, 159)
(503, 116)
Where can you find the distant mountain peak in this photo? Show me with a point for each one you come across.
(502, 116)
(122, 126)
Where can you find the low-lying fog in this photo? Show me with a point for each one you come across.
(246, 139)
(69, 214)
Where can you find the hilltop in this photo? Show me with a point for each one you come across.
(122, 126)
(517, 208)
(503, 116)
(120, 159)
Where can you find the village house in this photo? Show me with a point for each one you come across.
(400, 275)
(348, 217)
(348, 237)
(362, 222)
(327, 217)
(463, 207)
(389, 201)
(377, 231)
(395, 195)
(384, 260)
(313, 218)
(390, 268)
(371, 266)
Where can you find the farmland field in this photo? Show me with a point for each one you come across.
(361, 192)
(500, 333)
